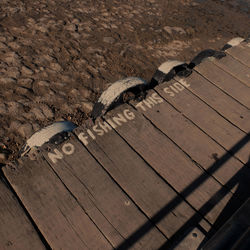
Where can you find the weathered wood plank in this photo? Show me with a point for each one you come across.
(241, 52)
(154, 197)
(235, 68)
(218, 100)
(191, 241)
(213, 124)
(106, 204)
(234, 234)
(172, 164)
(199, 146)
(232, 86)
(16, 231)
(57, 214)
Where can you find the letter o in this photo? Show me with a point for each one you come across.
(68, 148)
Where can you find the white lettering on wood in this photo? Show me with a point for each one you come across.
(129, 114)
(119, 119)
(169, 92)
(105, 126)
(83, 138)
(68, 148)
(178, 86)
(184, 83)
(57, 155)
(140, 105)
(99, 131)
(91, 134)
(113, 125)
(148, 103)
(157, 98)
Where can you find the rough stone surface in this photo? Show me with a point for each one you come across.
(55, 60)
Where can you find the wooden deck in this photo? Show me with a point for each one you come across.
(164, 172)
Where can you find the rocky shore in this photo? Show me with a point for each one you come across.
(56, 57)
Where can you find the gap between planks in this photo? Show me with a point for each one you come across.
(195, 143)
(102, 192)
(181, 178)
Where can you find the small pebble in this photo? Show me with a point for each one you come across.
(109, 40)
(26, 71)
(25, 130)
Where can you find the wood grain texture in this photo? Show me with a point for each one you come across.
(230, 85)
(241, 53)
(173, 165)
(199, 146)
(218, 100)
(16, 231)
(106, 204)
(154, 197)
(234, 68)
(208, 120)
(57, 214)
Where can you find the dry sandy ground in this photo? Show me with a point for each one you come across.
(57, 56)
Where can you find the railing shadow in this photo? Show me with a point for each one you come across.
(242, 179)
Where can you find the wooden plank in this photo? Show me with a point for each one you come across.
(235, 232)
(207, 119)
(241, 53)
(171, 163)
(234, 68)
(199, 146)
(114, 213)
(230, 85)
(154, 197)
(57, 214)
(191, 241)
(218, 100)
(16, 231)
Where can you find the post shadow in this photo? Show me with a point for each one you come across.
(242, 178)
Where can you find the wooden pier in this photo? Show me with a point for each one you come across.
(165, 172)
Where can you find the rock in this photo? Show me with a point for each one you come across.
(47, 111)
(41, 87)
(25, 82)
(26, 71)
(13, 72)
(14, 45)
(71, 27)
(55, 67)
(3, 39)
(36, 127)
(66, 108)
(190, 31)
(74, 93)
(25, 130)
(12, 58)
(22, 91)
(3, 46)
(15, 125)
(14, 107)
(109, 40)
(87, 106)
(42, 28)
(170, 30)
(76, 21)
(84, 92)
(3, 157)
(7, 81)
(4, 153)
(3, 109)
(38, 114)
